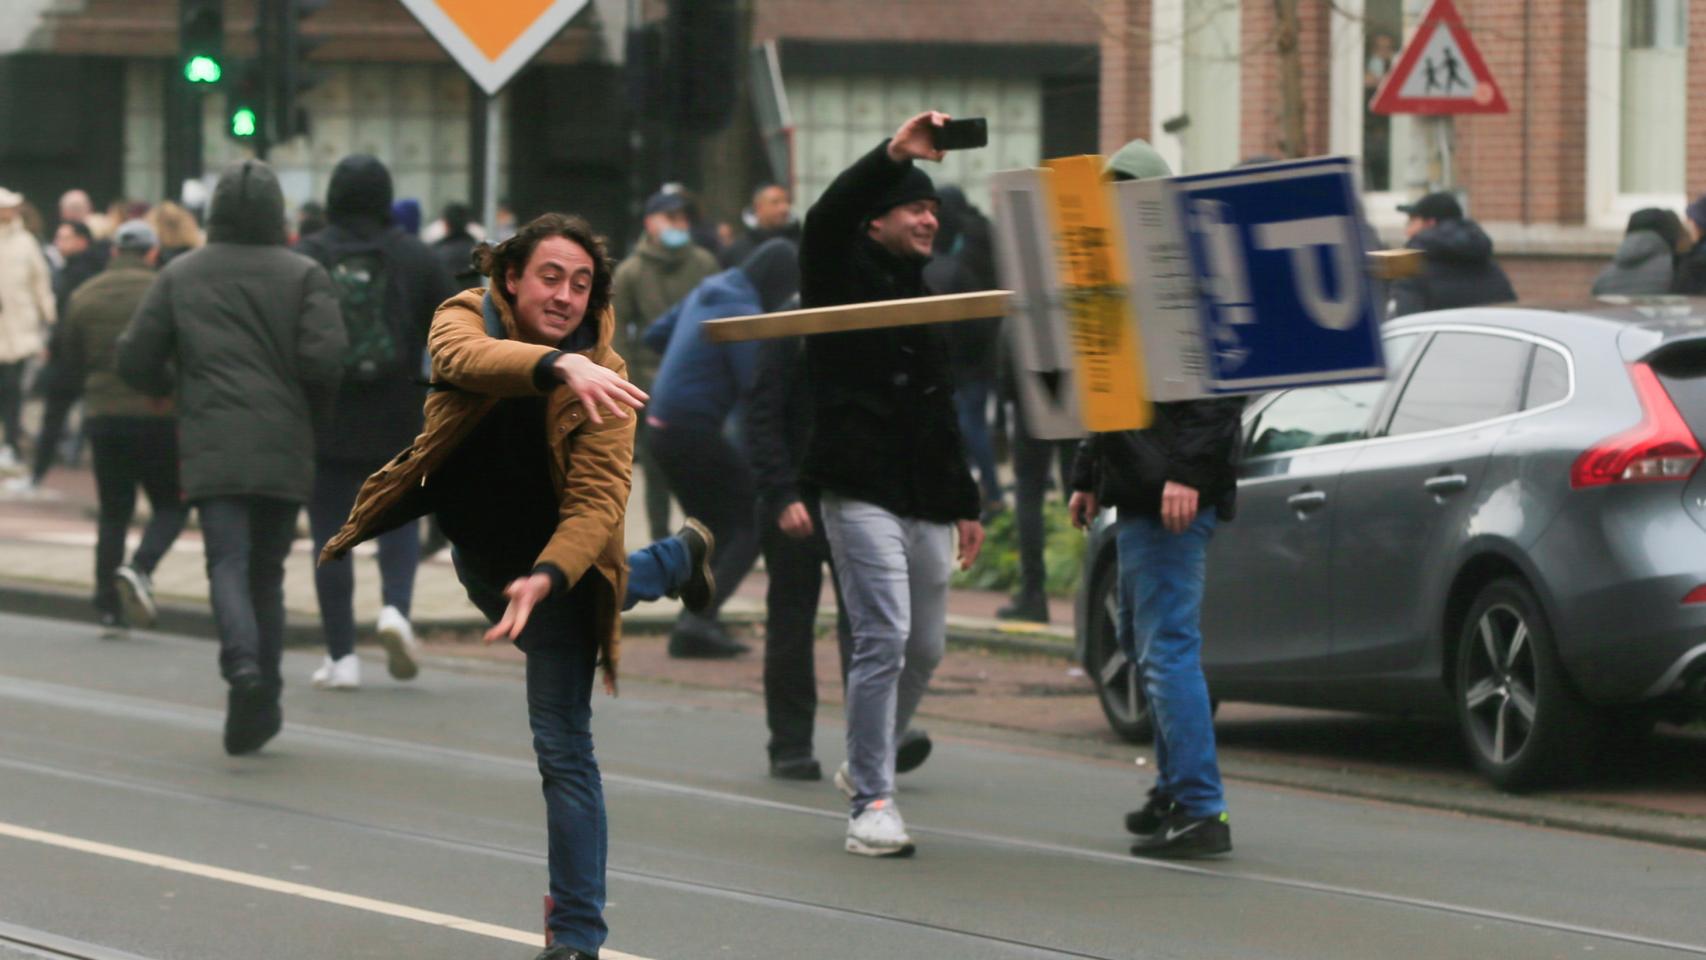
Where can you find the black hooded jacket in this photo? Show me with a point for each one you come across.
(1458, 271)
(248, 336)
(374, 419)
(883, 426)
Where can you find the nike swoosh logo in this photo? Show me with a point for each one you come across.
(1173, 834)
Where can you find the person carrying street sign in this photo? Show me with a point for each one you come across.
(886, 459)
(1172, 483)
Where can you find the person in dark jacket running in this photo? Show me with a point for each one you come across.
(964, 262)
(1172, 483)
(253, 335)
(1645, 264)
(388, 286)
(697, 388)
(886, 457)
(1458, 268)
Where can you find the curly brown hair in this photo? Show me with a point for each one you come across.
(511, 256)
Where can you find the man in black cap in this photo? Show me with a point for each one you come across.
(1458, 268)
(663, 268)
(886, 457)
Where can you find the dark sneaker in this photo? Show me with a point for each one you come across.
(565, 953)
(1147, 819)
(701, 586)
(136, 593)
(113, 628)
(1182, 837)
(912, 750)
(698, 639)
(796, 768)
(1029, 608)
(251, 714)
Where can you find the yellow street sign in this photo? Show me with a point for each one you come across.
(1113, 394)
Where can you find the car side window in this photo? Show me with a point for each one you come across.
(1463, 378)
(1548, 379)
(1319, 416)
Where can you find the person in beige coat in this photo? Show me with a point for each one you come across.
(26, 311)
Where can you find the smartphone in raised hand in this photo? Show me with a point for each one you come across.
(966, 134)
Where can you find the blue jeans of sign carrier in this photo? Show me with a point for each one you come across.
(1161, 590)
(894, 580)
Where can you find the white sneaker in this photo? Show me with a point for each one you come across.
(8, 460)
(844, 780)
(343, 673)
(136, 592)
(878, 831)
(18, 488)
(401, 647)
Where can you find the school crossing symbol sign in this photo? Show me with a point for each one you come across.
(1440, 72)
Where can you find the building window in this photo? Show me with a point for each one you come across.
(1637, 53)
(1195, 97)
(1368, 36)
(1653, 99)
(1383, 32)
(839, 119)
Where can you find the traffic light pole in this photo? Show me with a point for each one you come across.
(183, 135)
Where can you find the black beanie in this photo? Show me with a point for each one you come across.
(773, 268)
(915, 184)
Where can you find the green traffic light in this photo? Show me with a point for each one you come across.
(243, 122)
(202, 69)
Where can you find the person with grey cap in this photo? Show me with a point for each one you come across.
(26, 311)
(1172, 484)
(1457, 266)
(246, 336)
(886, 459)
(134, 437)
(663, 268)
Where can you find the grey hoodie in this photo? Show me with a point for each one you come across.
(1643, 266)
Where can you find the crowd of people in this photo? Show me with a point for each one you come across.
(503, 383)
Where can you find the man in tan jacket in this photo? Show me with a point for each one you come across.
(530, 484)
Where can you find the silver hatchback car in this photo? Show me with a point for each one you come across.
(1511, 528)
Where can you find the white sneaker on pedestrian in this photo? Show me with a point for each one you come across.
(136, 592)
(343, 673)
(878, 831)
(8, 460)
(401, 647)
(18, 488)
(844, 780)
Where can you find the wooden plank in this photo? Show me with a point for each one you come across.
(949, 308)
(1394, 264)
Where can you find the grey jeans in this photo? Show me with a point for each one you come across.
(894, 581)
(248, 539)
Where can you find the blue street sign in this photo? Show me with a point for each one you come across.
(1279, 259)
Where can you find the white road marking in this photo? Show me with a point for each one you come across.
(302, 890)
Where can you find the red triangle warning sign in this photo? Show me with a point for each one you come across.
(1440, 71)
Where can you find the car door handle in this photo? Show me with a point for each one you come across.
(1446, 484)
(1307, 502)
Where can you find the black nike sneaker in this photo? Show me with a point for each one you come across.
(1182, 837)
(1147, 819)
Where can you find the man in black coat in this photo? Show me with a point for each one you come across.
(1172, 483)
(886, 458)
(389, 285)
(1458, 268)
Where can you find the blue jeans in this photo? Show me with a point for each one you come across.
(561, 660)
(656, 570)
(1161, 589)
(336, 485)
(971, 402)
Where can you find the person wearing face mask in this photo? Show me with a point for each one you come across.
(664, 268)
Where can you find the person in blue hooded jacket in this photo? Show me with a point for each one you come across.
(698, 386)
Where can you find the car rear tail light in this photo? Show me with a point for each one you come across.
(1697, 595)
(1659, 448)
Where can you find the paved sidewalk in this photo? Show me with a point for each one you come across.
(49, 542)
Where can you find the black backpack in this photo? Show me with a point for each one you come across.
(362, 279)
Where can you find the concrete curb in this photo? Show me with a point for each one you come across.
(58, 602)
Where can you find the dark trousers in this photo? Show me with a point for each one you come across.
(657, 482)
(132, 452)
(561, 659)
(12, 404)
(55, 415)
(790, 630)
(971, 403)
(248, 539)
(1032, 459)
(714, 483)
(336, 484)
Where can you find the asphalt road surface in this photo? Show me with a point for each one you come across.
(405, 821)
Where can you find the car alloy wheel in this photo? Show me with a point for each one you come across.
(1499, 698)
(1118, 679)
